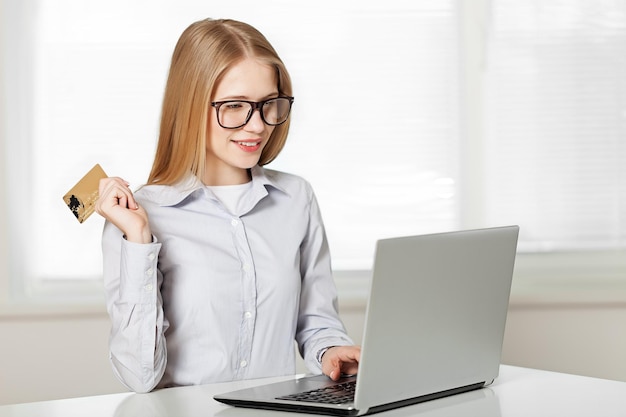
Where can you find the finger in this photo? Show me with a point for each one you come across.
(348, 355)
(348, 360)
(117, 192)
(109, 182)
(350, 369)
(335, 369)
(122, 200)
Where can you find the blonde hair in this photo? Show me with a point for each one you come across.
(203, 54)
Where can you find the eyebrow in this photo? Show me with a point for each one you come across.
(247, 98)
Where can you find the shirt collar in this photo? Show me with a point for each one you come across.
(172, 195)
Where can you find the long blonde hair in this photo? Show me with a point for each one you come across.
(204, 52)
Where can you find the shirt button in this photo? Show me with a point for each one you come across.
(246, 267)
(247, 314)
(148, 287)
(234, 222)
(243, 363)
(149, 271)
(151, 256)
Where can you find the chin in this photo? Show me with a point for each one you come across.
(248, 164)
(250, 161)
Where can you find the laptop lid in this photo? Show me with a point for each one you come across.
(436, 314)
(434, 324)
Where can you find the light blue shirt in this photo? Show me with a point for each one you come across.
(221, 296)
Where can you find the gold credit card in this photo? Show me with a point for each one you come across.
(81, 199)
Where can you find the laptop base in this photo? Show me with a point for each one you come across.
(294, 406)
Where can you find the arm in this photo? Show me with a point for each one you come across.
(319, 325)
(132, 282)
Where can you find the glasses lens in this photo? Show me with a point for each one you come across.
(234, 113)
(276, 110)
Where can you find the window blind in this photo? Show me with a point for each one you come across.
(556, 122)
(375, 123)
(373, 129)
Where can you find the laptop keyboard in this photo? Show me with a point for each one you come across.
(335, 394)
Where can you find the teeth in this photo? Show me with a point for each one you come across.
(248, 143)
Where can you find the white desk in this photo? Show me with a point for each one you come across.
(517, 392)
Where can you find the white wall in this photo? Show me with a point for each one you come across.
(585, 339)
(53, 356)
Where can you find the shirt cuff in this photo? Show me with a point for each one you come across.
(138, 274)
(320, 353)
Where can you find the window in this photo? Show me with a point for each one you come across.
(555, 147)
(395, 125)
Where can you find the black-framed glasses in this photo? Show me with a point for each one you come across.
(233, 114)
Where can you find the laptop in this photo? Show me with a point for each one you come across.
(434, 327)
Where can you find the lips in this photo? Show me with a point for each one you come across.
(248, 145)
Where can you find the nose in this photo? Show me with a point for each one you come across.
(255, 124)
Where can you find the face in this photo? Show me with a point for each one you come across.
(231, 152)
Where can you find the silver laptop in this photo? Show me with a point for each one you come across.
(434, 327)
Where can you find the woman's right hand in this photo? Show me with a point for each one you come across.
(117, 204)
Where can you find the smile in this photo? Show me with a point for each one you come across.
(248, 146)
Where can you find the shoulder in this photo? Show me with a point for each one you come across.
(168, 195)
(151, 194)
(291, 184)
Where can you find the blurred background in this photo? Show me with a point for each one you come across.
(410, 117)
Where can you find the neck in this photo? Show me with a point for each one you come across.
(232, 177)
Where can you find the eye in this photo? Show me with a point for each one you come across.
(234, 105)
(270, 103)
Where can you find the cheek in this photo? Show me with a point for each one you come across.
(215, 135)
(270, 131)
(268, 136)
(213, 128)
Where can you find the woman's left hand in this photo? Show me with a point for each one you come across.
(339, 360)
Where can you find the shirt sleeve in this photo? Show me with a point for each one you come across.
(132, 284)
(319, 325)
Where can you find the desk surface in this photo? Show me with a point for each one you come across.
(517, 392)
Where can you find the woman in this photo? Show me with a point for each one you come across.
(217, 265)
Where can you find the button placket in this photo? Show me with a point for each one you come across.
(248, 290)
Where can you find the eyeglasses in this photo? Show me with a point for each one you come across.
(232, 114)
